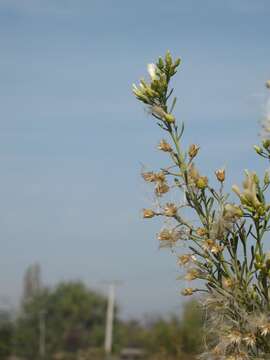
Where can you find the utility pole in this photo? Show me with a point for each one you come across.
(109, 320)
(42, 334)
(110, 317)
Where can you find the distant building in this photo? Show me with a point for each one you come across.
(132, 354)
(31, 282)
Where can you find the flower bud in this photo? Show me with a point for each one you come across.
(149, 92)
(160, 63)
(232, 212)
(267, 264)
(187, 291)
(168, 59)
(216, 248)
(164, 146)
(193, 151)
(148, 213)
(249, 196)
(258, 149)
(256, 178)
(220, 175)
(202, 182)
(169, 118)
(266, 144)
(201, 232)
(152, 70)
(266, 179)
(158, 111)
(177, 62)
(227, 283)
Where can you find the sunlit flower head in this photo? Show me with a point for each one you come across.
(228, 283)
(250, 339)
(192, 274)
(149, 176)
(201, 231)
(160, 176)
(234, 337)
(265, 329)
(169, 237)
(208, 244)
(216, 248)
(186, 259)
(170, 210)
(161, 188)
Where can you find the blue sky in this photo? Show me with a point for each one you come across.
(73, 138)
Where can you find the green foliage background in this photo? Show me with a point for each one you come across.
(75, 323)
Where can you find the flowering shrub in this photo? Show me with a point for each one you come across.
(225, 239)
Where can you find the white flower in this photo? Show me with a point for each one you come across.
(152, 70)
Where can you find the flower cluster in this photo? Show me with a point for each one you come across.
(225, 238)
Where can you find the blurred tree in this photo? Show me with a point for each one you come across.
(74, 319)
(164, 336)
(6, 334)
(177, 337)
(131, 333)
(191, 328)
